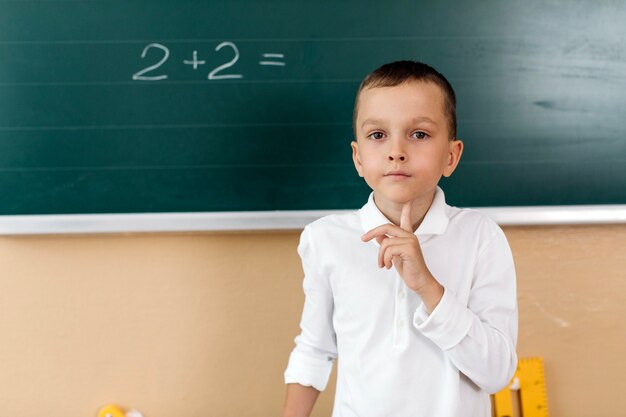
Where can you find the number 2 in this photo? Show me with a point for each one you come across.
(212, 74)
(139, 76)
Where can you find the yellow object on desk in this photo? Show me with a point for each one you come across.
(112, 410)
(529, 379)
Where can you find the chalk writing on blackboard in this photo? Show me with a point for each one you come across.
(140, 76)
(195, 61)
(212, 74)
(279, 63)
(269, 59)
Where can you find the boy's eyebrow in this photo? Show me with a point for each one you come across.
(423, 119)
(413, 120)
(371, 122)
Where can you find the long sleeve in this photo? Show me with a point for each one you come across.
(480, 338)
(311, 361)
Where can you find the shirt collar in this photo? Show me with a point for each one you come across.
(434, 223)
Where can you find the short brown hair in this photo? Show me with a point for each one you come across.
(396, 73)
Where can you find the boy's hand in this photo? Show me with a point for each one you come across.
(400, 247)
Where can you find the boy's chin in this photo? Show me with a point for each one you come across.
(396, 196)
(400, 195)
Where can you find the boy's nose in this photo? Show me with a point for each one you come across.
(396, 153)
(396, 157)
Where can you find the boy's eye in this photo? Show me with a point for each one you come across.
(376, 135)
(420, 135)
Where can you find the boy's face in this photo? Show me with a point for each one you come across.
(403, 129)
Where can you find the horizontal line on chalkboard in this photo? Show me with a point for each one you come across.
(344, 39)
(539, 161)
(299, 165)
(202, 126)
(181, 126)
(161, 82)
(170, 167)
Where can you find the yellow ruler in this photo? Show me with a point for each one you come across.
(530, 381)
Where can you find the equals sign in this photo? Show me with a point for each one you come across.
(279, 63)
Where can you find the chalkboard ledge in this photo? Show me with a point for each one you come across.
(275, 220)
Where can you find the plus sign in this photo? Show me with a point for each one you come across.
(195, 61)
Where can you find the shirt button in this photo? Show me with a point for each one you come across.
(400, 323)
(401, 294)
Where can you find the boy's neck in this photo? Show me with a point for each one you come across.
(393, 210)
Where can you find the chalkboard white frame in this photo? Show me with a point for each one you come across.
(276, 220)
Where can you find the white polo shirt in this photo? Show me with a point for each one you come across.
(394, 360)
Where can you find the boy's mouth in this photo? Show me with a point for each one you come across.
(397, 174)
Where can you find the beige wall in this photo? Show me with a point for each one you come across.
(202, 324)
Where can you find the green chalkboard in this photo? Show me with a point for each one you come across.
(204, 106)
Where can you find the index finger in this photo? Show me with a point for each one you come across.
(405, 216)
(389, 229)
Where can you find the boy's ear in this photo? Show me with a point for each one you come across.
(454, 156)
(355, 157)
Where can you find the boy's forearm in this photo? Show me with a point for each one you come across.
(299, 400)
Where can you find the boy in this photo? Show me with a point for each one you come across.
(416, 298)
